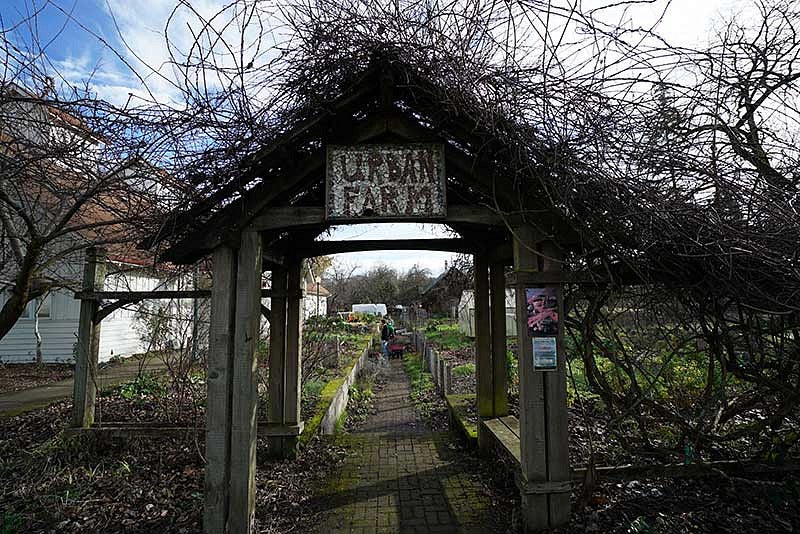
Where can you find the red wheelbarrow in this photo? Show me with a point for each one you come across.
(396, 350)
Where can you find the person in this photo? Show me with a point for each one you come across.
(390, 324)
(385, 337)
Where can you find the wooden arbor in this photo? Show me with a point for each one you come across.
(274, 224)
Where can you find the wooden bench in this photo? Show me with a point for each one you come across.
(505, 434)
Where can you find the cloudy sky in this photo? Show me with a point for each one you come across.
(73, 33)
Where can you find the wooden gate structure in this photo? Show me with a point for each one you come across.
(270, 220)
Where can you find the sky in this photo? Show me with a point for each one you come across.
(74, 33)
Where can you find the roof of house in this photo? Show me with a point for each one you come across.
(314, 289)
(452, 271)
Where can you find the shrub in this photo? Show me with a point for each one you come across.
(141, 387)
(464, 370)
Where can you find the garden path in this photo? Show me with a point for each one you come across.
(26, 400)
(402, 477)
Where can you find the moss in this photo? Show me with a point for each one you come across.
(328, 393)
(459, 407)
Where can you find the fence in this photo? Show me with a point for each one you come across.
(440, 369)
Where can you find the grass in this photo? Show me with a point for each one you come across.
(421, 382)
(447, 336)
(464, 370)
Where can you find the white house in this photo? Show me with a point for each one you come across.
(58, 312)
(31, 127)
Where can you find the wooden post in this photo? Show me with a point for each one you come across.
(84, 390)
(556, 414)
(219, 383)
(294, 344)
(497, 282)
(483, 353)
(544, 488)
(277, 357)
(245, 385)
(442, 379)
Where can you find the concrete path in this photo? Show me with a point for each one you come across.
(30, 399)
(400, 477)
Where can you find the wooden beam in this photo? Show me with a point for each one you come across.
(497, 292)
(219, 384)
(277, 357)
(294, 344)
(323, 248)
(84, 390)
(555, 390)
(245, 385)
(483, 344)
(533, 425)
(289, 217)
(135, 296)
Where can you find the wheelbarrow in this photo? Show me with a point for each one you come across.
(396, 350)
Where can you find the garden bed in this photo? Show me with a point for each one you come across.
(332, 401)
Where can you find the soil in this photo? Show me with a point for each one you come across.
(21, 376)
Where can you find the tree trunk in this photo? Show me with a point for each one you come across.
(37, 333)
(21, 292)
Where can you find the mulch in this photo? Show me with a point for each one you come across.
(21, 376)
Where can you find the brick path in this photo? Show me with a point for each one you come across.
(400, 477)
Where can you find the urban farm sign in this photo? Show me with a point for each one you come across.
(386, 181)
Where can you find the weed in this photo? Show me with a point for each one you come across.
(464, 370)
(141, 387)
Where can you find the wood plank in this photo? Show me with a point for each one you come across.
(512, 423)
(277, 357)
(555, 387)
(245, 385)
(497, 293)
(483, 347)
(84, 390)
(507, 439)
(531, 396)
(323, 248)
(294, 343)
(219, 375)
(291, 217)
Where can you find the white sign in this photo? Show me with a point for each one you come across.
(545, 354)
(386, 181)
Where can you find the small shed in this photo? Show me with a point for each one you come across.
(443, 294)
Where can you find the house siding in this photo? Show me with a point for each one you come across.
(118, 332)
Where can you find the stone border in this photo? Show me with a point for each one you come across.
(456, 405)
(338, 404)
(333, 399)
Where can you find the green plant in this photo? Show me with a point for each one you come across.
(141, 387)
(11, 522)
(464, 370)
(312, 390)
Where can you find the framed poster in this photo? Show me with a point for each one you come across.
(545, 354)
(542, 321)
(396, 182)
